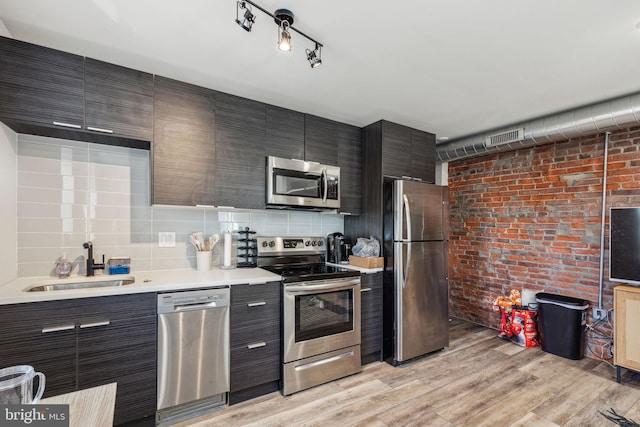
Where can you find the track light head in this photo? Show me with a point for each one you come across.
(248, 19)
(284, 38)
(314, 56)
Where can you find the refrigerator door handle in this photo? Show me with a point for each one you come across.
(407, 215)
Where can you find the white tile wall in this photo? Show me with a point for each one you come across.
(69, 192)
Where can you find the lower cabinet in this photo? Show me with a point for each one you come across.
(82, 343)
(255, 340)
(371, 317)
(626, 300)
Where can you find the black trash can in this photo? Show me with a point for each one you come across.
(561, 322)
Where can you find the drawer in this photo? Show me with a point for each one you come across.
(241, 295)
(255, 364)
(261, 331)
(253, 313)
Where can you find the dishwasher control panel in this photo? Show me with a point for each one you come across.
(200, 299)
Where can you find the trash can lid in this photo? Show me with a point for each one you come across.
(562, 300)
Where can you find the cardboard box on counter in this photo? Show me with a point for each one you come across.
(366, 262)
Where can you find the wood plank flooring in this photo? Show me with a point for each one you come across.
(480, 380)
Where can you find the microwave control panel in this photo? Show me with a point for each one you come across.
(332, 187)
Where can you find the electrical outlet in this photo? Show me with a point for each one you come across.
(166, 239)
(599, 313)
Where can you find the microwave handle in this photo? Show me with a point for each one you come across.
(324, 185)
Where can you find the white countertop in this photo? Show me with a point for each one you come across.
(145, 281)
(356, 268)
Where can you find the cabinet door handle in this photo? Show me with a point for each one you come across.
(95, 324)
(256, 304)
(58, 328)
(365, 290)
(256, 345)
(95, 129)
(67, 125)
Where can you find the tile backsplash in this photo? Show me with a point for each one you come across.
(70, 192)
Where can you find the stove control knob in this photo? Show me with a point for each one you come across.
(264, 243)
(272, 244)
(320, 242)
(313, 243)
(307, 243)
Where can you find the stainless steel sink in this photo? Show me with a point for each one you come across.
(88, 284)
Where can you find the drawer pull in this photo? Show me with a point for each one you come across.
(95, 324)
(256, 345)
(256, 304)
(67, 125)
(365, 290)
(58, 328)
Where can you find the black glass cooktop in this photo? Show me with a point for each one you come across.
(303, 272)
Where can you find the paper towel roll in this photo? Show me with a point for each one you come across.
(226, 258)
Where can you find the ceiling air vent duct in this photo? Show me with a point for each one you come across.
(506, 137)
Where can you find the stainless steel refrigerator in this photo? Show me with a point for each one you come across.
(416, 288)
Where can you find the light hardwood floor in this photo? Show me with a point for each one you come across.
(480, 380)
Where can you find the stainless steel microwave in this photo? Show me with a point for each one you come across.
(298, 184)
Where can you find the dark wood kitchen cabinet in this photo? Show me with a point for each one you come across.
(40, 87)
(321, 140)
(255, 340)
(350, 163)
(407, 152)
(371, 317)
(240, 160)
(118, 100)
(394, 151)
(82, 343)
(183, 151)
(53, 93)
(285, 133)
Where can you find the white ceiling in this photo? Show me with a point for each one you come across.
(451, 67)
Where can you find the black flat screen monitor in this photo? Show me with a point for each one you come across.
(624, 245)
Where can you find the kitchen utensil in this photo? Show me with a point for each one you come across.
(16, 385)
(213, 240)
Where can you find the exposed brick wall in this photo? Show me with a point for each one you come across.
(531, 219)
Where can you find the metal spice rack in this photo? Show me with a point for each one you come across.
(247, 249)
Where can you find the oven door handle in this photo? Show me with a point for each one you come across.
(335, 286)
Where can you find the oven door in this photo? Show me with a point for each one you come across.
(320, 316)
(302, 184)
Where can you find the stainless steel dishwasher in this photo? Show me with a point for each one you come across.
(193, 351)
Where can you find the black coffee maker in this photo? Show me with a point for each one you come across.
(336, 248)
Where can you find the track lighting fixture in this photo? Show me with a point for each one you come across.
(284, 20)
(248, 19)
(314, 56)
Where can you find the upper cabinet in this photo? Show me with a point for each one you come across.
(183, 151)
(285, 133)
(240, 165)
(40, 86)
(52, 93)
(321, 140)
(350, 163)
(118, 100)
(407, 153)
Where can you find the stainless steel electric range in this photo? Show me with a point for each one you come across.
(321, 312)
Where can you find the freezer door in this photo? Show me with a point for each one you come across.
(421, 298)
(421, 211)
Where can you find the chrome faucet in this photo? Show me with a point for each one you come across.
(91, 264)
